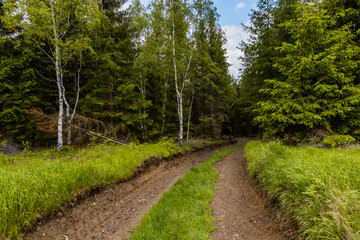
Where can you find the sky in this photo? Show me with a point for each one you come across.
(232, 14)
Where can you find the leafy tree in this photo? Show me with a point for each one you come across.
(49, 24)
(179, 19)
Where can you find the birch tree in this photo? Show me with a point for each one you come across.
(50, 25)
(180, 19)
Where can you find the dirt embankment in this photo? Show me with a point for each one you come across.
(112, 213)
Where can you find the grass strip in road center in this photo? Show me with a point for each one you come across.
(184, 211)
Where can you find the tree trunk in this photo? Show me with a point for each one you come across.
(70, 118)
(67, 113)
(58, 79)
(164, 108)
(188, 124)
(178, 93)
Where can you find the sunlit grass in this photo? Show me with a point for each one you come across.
(36, 186)
(184, 212)
(318, 188)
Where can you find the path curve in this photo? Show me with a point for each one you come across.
(112, 213)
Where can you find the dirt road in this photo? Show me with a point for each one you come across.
(240, 210)
(112, 213)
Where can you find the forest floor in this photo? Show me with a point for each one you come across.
(240, 209)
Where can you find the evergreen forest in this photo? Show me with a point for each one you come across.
(300, 75)
(72, 72)
(76, 71)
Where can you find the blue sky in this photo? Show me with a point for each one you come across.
(233, 13)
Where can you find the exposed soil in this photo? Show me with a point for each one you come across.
(240, 209)
(112, 213)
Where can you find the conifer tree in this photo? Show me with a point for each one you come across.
(111, 93)
(211, 82)
(318, 89)
(257, 62)
(17, 84)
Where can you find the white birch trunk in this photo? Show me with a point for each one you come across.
(67, 113)
(58, 79)
(178, 93)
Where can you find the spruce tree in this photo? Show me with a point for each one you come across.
(317, 89)
(257, 63)
(111, 93)
(17, 85)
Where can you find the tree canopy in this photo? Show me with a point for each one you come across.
(78, 70)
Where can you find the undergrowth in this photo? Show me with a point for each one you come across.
(184, 212)
(38, 184)
(317, 188)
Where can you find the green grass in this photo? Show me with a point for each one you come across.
(317, 188)
(38, 184)
(39, 187)
(183, 212)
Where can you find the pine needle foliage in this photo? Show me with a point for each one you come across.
(317, 87)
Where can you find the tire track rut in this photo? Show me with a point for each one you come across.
(241, 211)
(113, 212)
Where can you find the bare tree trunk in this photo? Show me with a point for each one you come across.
(188, 124)
(164, 108)
(59, 80)
(67, 111)
(178, 93)
(142, 88)
(70, 118)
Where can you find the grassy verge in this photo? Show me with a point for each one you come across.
(318, 188)
(183, 212)
(38, 184)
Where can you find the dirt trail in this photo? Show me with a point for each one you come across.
(240, 211)
(112, 213)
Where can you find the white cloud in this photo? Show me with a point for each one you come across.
(234, 35)
(240, 5)
(126, 5)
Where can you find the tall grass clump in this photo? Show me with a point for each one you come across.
(40, 184)
(317, 188)
(184, 212)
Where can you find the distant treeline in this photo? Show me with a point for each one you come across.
(300, 75)
(129, 74)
